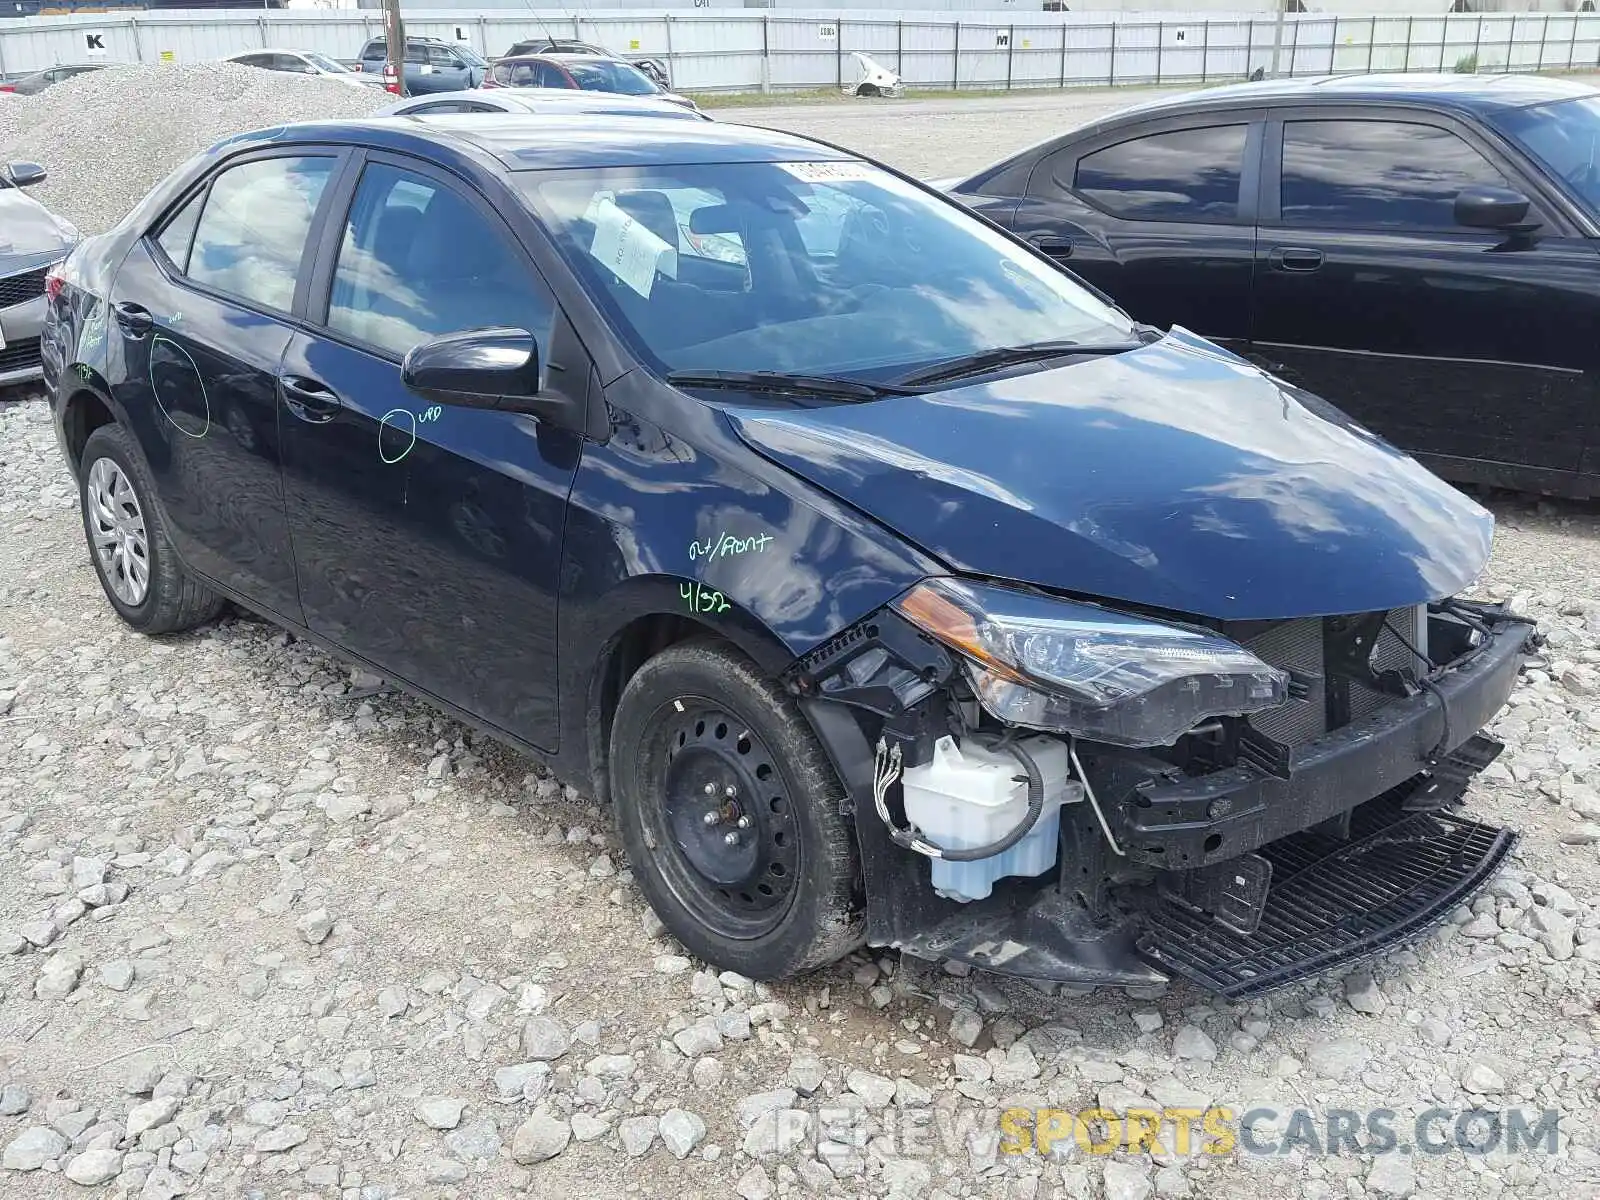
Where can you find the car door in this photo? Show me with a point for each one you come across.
(450, 71)
(1467, 346)
(1159, 215)
(200, 317)
(428, 537)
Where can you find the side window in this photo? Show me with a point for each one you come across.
(252, 234)
(443, 56)
(416, 53)
(1183, 175)
(524, 75)
(175, 238)
(255, 60)
(417, 261)
(1376, 173)
(549, 76)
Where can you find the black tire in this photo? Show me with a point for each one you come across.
(172, 601)
(700, 714)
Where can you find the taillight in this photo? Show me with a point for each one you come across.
(489, 81)
(54, 278)
(8, 87)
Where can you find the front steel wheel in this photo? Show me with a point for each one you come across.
(731, 815)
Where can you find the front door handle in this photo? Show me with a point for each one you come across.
(135, 319)
(313, 402)
(1051, 244)
(1296, 258)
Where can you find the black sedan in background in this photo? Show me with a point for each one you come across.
(1420, 250)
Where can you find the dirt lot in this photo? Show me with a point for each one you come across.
(265, 934)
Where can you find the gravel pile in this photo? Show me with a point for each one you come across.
(106, 137)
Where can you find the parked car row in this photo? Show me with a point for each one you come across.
(891, 586)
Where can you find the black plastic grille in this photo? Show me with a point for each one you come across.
(19, 289)
(1334, 901)
(19, 355)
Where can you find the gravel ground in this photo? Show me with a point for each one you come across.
(265, 934)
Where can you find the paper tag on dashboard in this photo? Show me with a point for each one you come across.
(627, 249)
(831, 172)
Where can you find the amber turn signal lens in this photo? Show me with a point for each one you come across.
(935, 613)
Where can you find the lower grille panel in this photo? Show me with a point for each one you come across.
(1333, 901)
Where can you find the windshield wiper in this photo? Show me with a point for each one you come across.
(830, 386)
(1004, 356)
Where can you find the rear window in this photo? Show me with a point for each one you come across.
(1182, 175)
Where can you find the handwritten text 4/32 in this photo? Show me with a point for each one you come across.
(702, 599)
(726, 545)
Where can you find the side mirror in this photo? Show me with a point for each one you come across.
(1486, 206)
(488, 368)
(24, 174)
(481, 368)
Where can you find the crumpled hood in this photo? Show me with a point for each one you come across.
(1175, 476)
(29, 231)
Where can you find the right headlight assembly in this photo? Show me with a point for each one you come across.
(1056, 665)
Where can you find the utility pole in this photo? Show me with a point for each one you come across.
(1277, 38)
(394, 33)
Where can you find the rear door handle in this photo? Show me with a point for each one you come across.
(135, 319)
(314, 402)
(1296, 258)
(1051, 244)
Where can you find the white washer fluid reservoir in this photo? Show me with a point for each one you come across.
(969, 795)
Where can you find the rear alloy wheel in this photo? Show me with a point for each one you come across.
(128, 540)
(730, 815)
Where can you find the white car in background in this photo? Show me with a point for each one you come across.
(304, 62)
(567, 101)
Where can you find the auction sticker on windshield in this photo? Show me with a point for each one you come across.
(831, 172)
(627, 249)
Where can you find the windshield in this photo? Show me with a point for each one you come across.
(1565, 137)
(327, 64)
(834, 268)
(611, 77)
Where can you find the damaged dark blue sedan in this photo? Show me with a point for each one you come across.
(892, 586)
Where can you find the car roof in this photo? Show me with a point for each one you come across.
(552, 141)
(1461, 93)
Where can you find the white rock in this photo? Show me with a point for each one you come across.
(1337, 1058)
(681, 1131)
(754, 1184)
(151, 1114)
(32, 1148)
(874, 1089)
(1124, 1181)
(1193, 1043)
(439, 1112)
(637, 1135)
(1392, 1175)
(1480, 1078)
(540, 1137)
(1363, 995)
(315, 926)
(544, 1040)
(777, 1133)
(94, 1167)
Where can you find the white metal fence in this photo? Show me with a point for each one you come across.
(784, 50)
